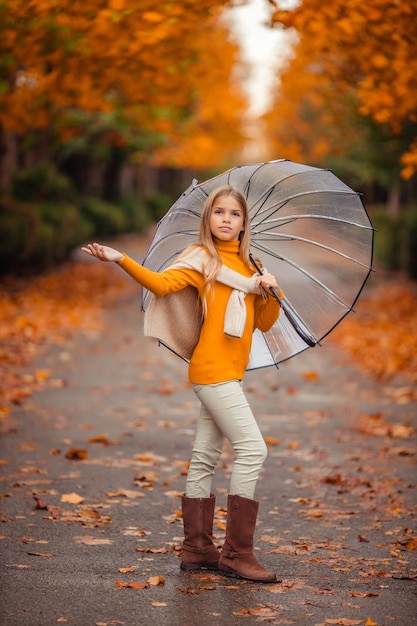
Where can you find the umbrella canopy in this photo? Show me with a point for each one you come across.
(308, 228)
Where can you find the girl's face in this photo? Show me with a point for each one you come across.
(226, 219)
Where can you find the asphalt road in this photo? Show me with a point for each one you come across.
(337, 493)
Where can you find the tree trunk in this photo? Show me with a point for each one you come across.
(8, 158)
(393, 201)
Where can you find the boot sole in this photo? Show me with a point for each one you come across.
(233, 574)
(195, 568)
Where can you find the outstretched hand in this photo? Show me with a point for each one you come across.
(103, 253)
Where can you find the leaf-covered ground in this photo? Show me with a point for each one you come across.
(34, 313)
(46, 310)
(93, 468)
(381, 336)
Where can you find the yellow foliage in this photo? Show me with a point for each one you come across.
(367, 49)
(140, 57)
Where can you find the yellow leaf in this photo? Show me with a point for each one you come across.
(132, 585)
(43, 374)
(126, 570)
(72, 498)
(153, 17)
(271, 441)
(156, 580)
(126, 493)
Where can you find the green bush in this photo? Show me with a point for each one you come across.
(137, 213)
(395, 240)
(387, 238)
(408, 239)
(62, 228)
(18, 226)
(108, 219)
(37, 235)
(158, 204)
(42, 182)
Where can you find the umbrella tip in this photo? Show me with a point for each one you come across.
(195, 182)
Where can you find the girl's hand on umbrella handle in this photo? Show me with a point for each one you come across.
(268, 281)
(103, 253)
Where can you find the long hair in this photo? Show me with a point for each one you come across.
(206, 240)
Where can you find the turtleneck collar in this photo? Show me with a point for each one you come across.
(227, 246)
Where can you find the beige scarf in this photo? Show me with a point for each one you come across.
(176, 319)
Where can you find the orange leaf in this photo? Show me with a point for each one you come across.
(156, 580)
(312, 376)
(152, 550)
(126, 570)
(72, 498)
(76, 454)
(132, 585)
(271, 441)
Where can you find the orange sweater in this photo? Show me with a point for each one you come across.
(217, 357)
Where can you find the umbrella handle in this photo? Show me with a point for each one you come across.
(305, 336)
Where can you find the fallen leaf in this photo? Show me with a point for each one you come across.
(152, 550)
(125, 493)
(99, 439)
(344, 621)
(263, 611)
(271, 441)
(311, 376)
(72, 498)
(190, 590)
(75, 454)
(156, 580)
(40, 504)
(126, 570)
(133, 585)
(47, 554)
(155, 603)
(93, 541)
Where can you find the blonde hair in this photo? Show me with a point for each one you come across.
(206, 239)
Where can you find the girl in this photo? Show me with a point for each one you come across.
(219, 269)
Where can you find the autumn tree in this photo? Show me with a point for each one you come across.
(142, 60)
(353, 68)
(214, 124)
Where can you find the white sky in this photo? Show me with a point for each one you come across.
(264, 48)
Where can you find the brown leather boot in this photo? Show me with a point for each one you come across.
(236, 557)
(198, 550)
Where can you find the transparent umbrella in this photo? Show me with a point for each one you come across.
(308, 228)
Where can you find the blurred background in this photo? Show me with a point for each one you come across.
(109, 108)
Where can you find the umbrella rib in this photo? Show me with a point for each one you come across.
(186, 212)
(301, 194)
(303, 271)
(287, 220)
(282, 236)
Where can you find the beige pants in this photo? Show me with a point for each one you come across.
(225, 413)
